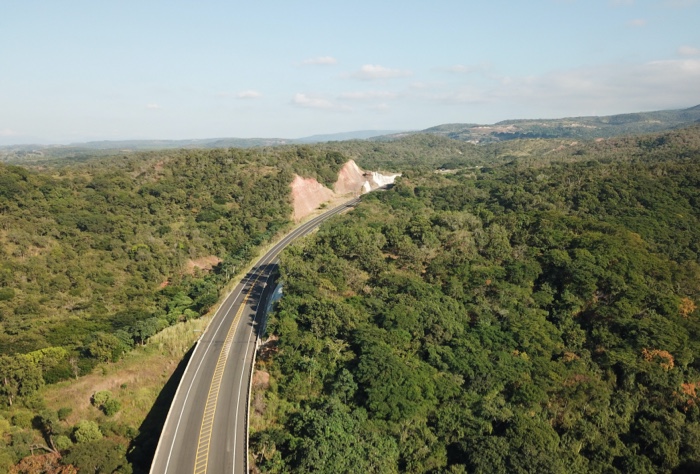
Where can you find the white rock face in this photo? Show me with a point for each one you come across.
(381, 180)
(353, 179)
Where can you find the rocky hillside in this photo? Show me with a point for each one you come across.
(572, 127)
(308, 194)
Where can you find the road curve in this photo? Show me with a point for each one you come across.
(206, 427)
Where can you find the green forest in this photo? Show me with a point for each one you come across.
(524, 306)
(97, 256)
(538, 316)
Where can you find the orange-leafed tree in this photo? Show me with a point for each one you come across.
(687, 307)
(43, 464)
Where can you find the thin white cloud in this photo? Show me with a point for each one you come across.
(153, 106)
(612, 88)
(688, 51)
(637, 23)
(482, 68)
(627, 86)
(680, 3)
(370, 72)
(303, 100)
(314, 102)
(320, 61)
(460, 69)
(368, 95)
(685, 66)
(249, 94)
(383, 107)
(6, 132)
(622, 3)
(461, 95)
(419, 85)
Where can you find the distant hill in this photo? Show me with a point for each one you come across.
(37, 152)
(572, 127)
(581, 128)
(194, 143)
(79, 151)
(338, 137)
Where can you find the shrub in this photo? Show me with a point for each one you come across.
(101, 397)
(86, 431)
(22, 419)
(104, 455)
(63, 371)
(63, 442)
(111, 406)
(6, 461)
(6, 294)
(64, 413)
(4, 427)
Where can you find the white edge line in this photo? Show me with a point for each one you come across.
(250, 385)
(184, 403)
(329, 214)
(187, 368)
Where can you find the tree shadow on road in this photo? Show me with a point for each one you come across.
(143, 447)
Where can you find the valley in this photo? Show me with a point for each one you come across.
(540, 289)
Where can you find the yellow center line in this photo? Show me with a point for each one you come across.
(205, 432)
(200, 464)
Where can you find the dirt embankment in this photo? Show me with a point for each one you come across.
(350, 179)
(203, 263)
(308, 194)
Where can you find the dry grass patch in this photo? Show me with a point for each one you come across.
(135, 380)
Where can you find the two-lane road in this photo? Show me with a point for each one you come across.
(206, 427)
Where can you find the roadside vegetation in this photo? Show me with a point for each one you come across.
(540, 316)
(105, 265)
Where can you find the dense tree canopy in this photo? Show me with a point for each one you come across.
(86, 250)
(539, 316)
(99, 255)
(528, 306)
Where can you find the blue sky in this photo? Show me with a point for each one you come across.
(106, 70)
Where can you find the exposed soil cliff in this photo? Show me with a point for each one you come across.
(350, 179)
(308, 194)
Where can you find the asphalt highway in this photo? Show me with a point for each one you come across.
(206, 427)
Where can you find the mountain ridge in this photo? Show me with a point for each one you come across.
(581, 128)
